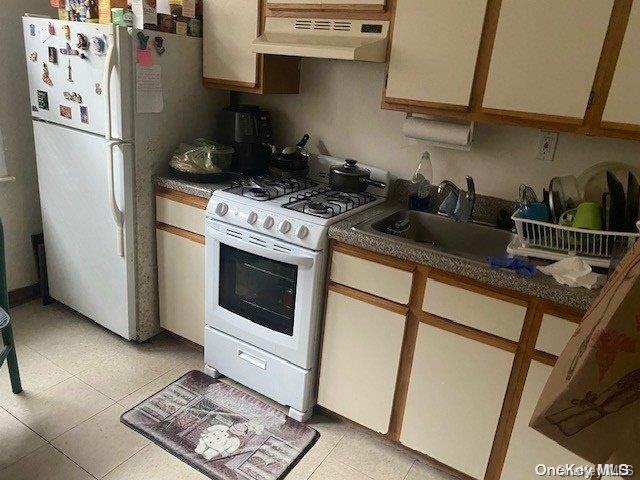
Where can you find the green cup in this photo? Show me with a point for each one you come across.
(587, 215)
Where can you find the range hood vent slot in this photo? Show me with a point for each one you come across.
(324, 38)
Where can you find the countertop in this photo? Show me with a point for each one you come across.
(541, 286)
(204, 190)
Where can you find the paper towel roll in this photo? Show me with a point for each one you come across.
(439, 133)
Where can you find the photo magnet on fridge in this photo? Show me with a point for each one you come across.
(84, 115)
(66, 112)
(53, 55)
(43, 100)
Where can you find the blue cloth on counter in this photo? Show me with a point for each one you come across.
(520, 266)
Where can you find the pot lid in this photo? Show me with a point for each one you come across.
(350, 168)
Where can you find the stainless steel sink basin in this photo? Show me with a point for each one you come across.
(468, 240)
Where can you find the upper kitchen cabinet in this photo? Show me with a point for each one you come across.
(544, 60)
(622, 109)
(230, 27)
(328, 5)
(434, 52)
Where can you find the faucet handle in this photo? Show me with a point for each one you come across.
(471, 186)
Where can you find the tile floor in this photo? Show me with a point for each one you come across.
(78, 379)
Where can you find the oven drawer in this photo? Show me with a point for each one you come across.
(265, 373)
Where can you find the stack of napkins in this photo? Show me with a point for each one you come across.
(574, 272)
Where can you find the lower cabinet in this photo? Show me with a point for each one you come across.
(181, 284)
(360, 357)
(529, 447)
(456, 390)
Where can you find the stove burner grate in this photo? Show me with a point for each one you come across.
(326, 203)
(267, 187)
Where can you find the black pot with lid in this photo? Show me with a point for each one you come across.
(351, 178)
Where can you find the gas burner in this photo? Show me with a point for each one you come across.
(317, 208)
(327, 203)
(267, 187)
(257, 192)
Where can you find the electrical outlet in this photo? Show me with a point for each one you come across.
(547, 145)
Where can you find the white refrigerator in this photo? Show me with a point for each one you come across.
(96, 153)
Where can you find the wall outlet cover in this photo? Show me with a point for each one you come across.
(547, 145)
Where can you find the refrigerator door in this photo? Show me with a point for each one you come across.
(75, 75)
(85, 268)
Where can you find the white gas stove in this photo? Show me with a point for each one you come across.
(265, 266)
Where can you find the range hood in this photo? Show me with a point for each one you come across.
(324, 38)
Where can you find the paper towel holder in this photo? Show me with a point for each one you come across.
(465, 148)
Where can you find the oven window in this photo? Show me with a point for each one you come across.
(258, 289)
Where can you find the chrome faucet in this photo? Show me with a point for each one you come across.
(458, 204)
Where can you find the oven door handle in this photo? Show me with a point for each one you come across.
(303, 262)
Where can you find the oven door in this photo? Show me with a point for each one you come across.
(264, 292)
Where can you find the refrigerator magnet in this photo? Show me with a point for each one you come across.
(43, 100)
(98, 89)
(46, 78)
(67, 32)
(32, 30)
(65, 111)
(158, 43)
(84, 115)
(99, 45)
(73, 97)
(83, 42)
(33, 56)
(52, 29)
(53, 55)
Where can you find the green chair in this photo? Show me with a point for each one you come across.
(8, 351)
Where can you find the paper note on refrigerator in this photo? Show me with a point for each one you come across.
(163, 6)
(189, 8)
(149, 98)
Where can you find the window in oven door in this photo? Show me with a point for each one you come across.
(258, 289)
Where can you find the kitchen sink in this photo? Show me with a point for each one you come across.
(469, 240)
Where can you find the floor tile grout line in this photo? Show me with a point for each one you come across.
(410, 467)
(72, 460)
(325, 457)
(354, 468)
(149, 442)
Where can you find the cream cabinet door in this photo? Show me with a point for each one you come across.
(434, 50)
(359, 361)
(623, 104)
(545, 56)
(455, 396)
(230, 27)
(528, 447)
(181, 285)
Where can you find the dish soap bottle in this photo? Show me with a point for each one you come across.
(420, 183)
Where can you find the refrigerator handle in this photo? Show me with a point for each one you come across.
(106, 87)
(118, 215)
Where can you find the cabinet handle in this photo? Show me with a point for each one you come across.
(252, 359)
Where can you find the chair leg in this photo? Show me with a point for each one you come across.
(12, 359)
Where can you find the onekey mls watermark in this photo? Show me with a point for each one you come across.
(573, 470)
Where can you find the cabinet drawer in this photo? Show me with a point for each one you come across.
(358, 380)
(180, 215)
(181, 285)
(475, 310)
(555, 333)
(371, 277)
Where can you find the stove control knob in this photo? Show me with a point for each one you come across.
(222, 209)
(302, 232)
(268, 222)
(252, 218)
(284, 227)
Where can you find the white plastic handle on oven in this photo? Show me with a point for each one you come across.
(106, 86)
(118, 215)
(304, 262)
(252, 359)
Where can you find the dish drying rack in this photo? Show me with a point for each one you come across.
(556, 242)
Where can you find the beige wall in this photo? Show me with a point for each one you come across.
(19, 206)
(340, 106)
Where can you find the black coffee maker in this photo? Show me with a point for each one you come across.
(248, 129)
